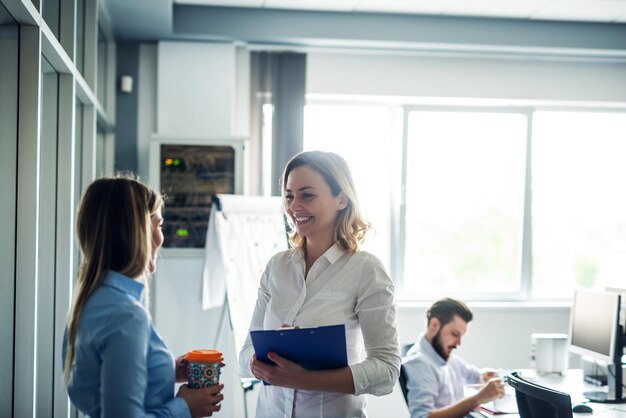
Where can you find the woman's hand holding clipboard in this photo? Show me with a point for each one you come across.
(318, 348)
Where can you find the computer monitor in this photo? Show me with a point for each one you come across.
(622, 316)
(595, 331)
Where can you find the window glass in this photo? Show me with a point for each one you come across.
(78, 169)
(9, 57)
(464, 202)
(361, 135)
(101, 153)
(51, 14)
(80, 35)
(578, 203)
(78, 148)
(102, 67)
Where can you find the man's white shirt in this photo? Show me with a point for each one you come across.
(433, 383)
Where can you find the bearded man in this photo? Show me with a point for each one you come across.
(436, 377)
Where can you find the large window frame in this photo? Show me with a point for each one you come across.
(398, 252)
(396, 194)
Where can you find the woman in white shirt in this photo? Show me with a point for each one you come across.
(324, 280)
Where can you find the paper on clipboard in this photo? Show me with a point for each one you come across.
(317, 348)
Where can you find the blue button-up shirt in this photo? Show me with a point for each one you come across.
(121, 366)
(433, 383)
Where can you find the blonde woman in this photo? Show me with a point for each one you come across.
(324, 280)
(116, 365)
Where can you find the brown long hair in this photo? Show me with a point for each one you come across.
(351, 227)
(115, 233)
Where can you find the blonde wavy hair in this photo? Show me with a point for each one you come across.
(350, 226)
(114, 231)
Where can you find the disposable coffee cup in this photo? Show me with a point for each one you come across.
(203, 368)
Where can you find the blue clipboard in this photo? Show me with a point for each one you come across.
(317, 348)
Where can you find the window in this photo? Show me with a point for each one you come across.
(361, 134)
(80, 36)
(578, 203)
(101, 90)
(51, 14)
(9, 53)
(478, 217)
(464, 202)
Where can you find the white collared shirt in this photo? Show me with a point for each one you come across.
(341, 288)
(432, 382)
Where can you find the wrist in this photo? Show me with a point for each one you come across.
(476, 401)
(307, 380)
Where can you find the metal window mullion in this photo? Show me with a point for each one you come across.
(398, 214)
(526, 257)
(65, 233)
(46, 234)
(27, 244)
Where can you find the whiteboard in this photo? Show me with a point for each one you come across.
(241, 239)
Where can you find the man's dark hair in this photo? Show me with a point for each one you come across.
(445, 310)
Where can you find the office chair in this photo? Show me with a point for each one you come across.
(535, 401)
(404, 348)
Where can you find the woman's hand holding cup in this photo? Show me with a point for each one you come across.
(201, 369)
(202, 402)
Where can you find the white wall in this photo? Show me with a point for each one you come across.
(465, 77)
(184, 325)
(196, 89)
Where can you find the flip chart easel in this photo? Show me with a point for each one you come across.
(244, 232)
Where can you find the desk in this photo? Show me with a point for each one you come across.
(573, 384)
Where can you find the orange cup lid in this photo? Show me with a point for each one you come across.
(204, 356)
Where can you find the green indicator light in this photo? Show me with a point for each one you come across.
(176, 162)
(182, 232)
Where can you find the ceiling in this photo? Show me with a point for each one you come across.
(606, 11)
(374, 23)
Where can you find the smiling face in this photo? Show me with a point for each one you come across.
(445, 339)
(311, 205)
(157, 238)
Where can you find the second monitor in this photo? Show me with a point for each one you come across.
(595, 331)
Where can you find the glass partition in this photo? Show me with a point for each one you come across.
(80, 36)
(9, 56)
(464, 201)
(579, 211)
(52, 15)
(102, 75)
